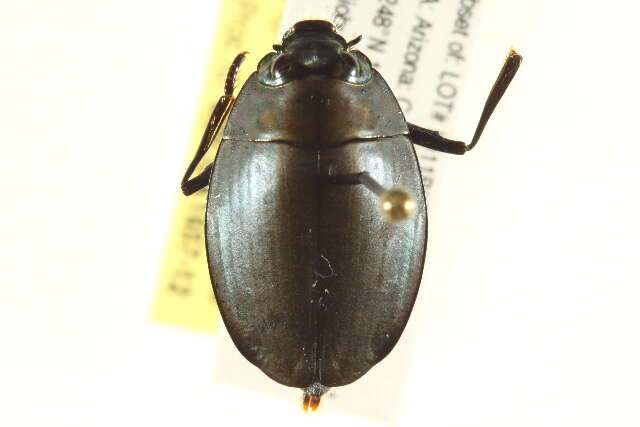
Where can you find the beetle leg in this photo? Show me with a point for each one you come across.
(191, 185)
(395, 204)
(432, 139)
(197, 183)
(220, 112)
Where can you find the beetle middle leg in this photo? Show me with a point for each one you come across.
(395, 204)
(432, 139)
(220, 112)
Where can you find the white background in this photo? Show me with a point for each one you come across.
(528, 313)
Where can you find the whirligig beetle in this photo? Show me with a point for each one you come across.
(314, 282)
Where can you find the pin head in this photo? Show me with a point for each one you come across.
(397, 204)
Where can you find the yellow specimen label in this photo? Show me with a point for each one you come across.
(184, 296)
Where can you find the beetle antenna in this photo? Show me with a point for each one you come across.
(396, 204)
(354, 41)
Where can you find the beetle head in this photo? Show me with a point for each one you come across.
(313, 49)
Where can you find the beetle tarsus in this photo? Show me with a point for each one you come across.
(433, 140)
(230, 82)
(508, 71)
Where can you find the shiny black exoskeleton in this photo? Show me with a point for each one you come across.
(316, 223)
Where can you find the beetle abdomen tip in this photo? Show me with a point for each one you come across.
(310, 402)
(311, 396)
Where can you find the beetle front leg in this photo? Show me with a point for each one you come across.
(220, 112)
(395, 204)
(432, 139)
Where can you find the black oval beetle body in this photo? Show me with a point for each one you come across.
(316, 223)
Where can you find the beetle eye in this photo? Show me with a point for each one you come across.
(268, 73)
(360, 70)
(287, 34)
